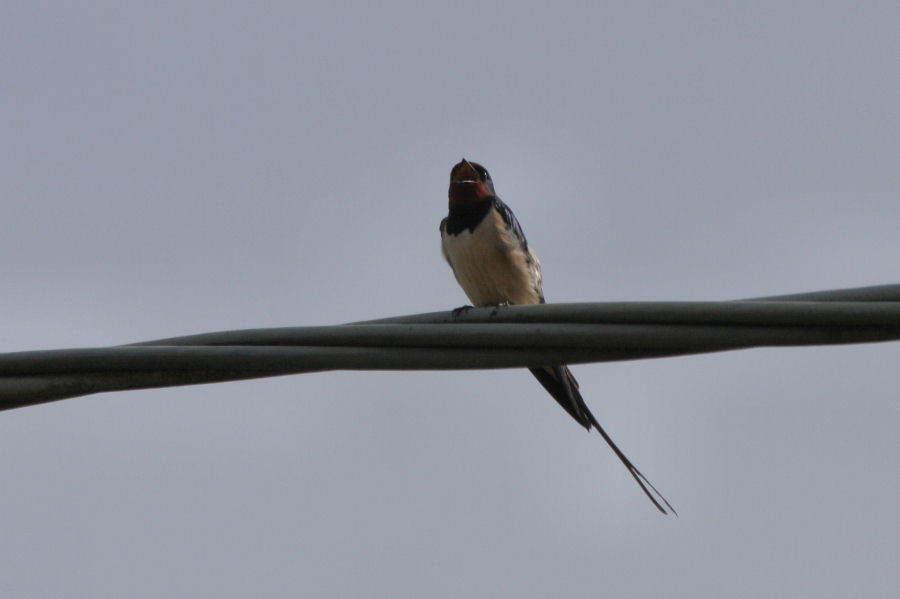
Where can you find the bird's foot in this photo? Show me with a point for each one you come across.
(462, 309)
(496, 306)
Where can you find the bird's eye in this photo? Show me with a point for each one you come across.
(484, 174)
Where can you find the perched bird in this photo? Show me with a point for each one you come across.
(490, 257)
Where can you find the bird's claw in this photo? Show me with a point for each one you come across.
(462, 309)
(496, 306)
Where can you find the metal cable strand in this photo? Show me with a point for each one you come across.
(518, 336)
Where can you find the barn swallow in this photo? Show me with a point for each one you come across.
(493, 263)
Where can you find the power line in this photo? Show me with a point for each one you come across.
(507, 337)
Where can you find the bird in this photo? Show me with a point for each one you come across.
(484, 244)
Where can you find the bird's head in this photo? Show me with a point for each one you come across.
(469, 182)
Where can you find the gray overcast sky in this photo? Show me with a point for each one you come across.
(176, 168)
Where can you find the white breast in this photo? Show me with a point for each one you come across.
(491, 266)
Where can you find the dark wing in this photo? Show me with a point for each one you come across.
(511, 221)
(512, 224)
(555, 379)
